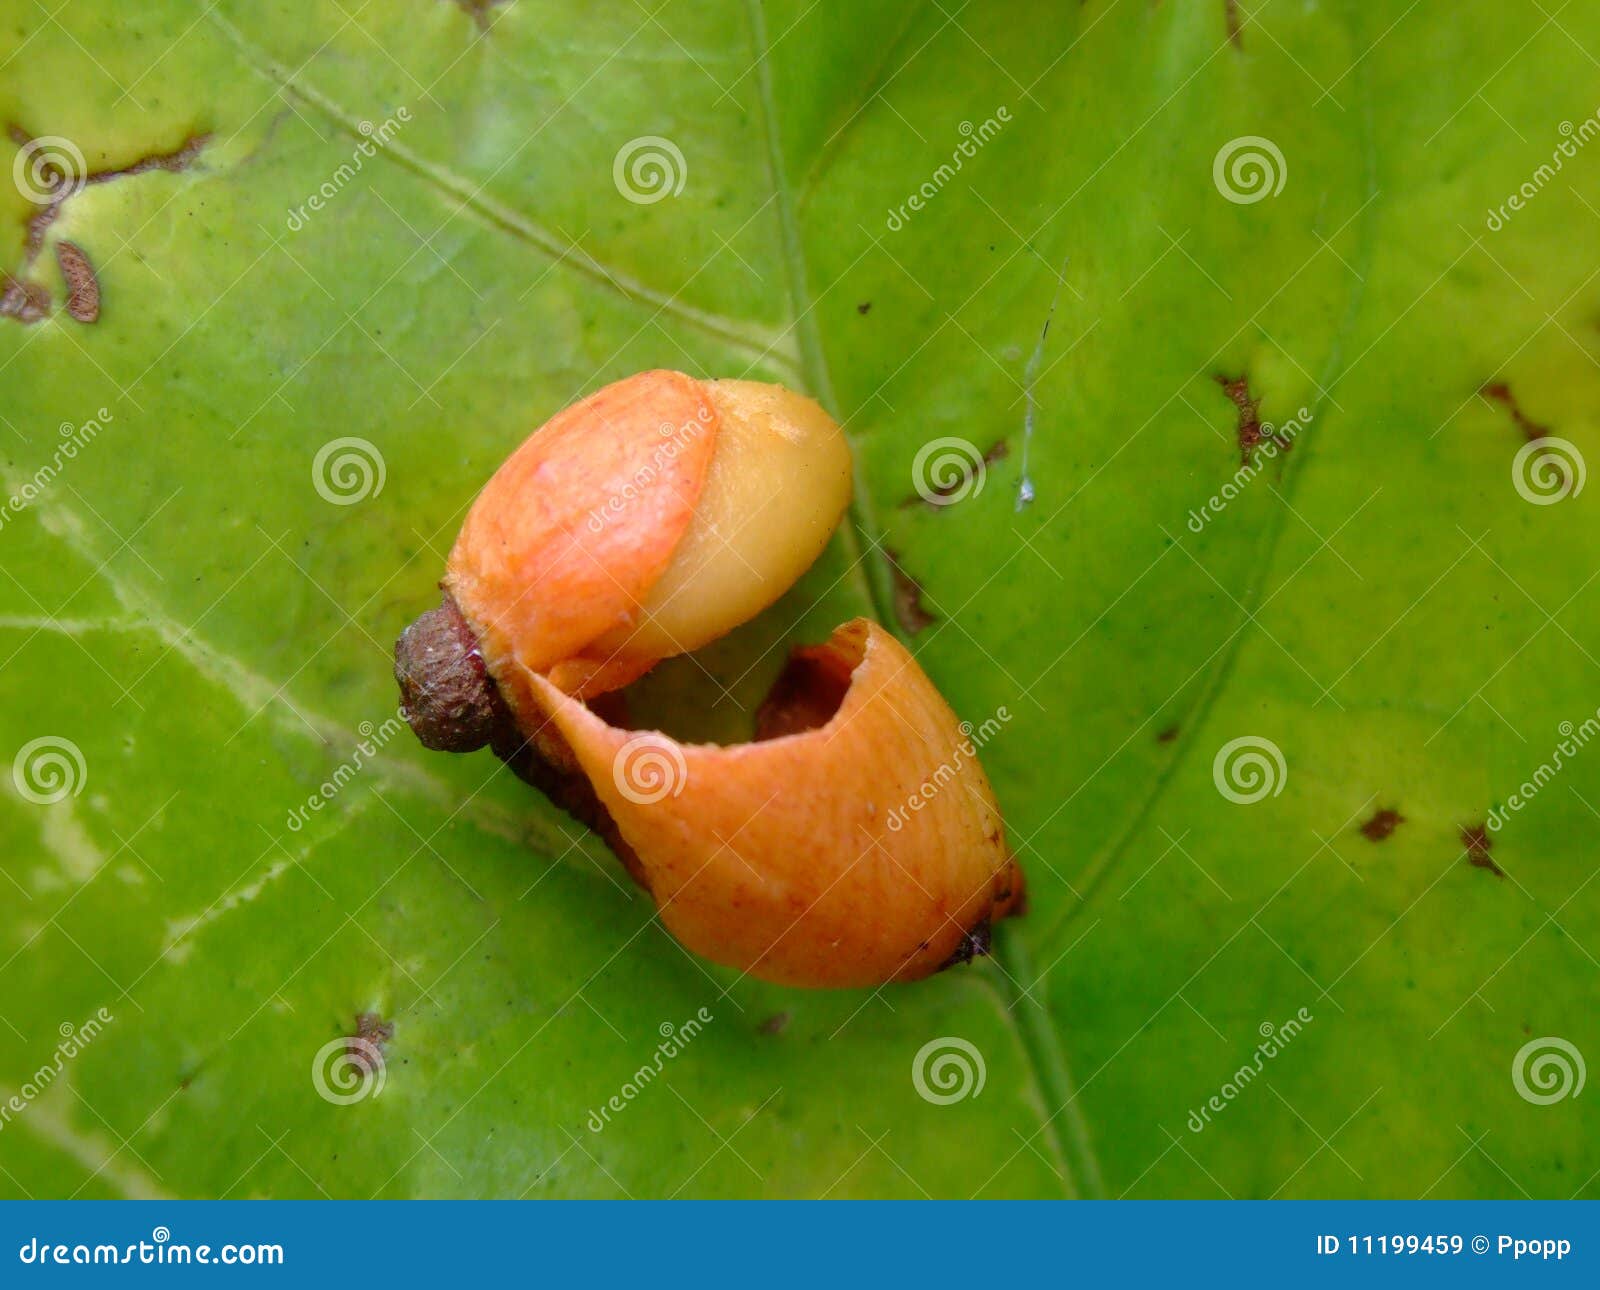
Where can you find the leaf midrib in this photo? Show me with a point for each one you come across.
(1039, 1045)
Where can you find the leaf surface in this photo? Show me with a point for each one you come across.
(407, 224)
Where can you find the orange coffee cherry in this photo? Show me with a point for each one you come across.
(856, 840)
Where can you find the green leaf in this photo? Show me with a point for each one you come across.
(409, 224)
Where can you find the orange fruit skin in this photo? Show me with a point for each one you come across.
(857, 845)
(565, 540)
(798, 859)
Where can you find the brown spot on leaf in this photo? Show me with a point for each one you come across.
(909, 611)
(1478, 844)
(1383, 822)
(365, 1047)
(27, 302)
(175, 159)
(865, 307)
(1230, 8)
(179, 158)
(1251, 429)
(37, 224)
(774, 1025)
(478, 10)
(1499, 392)
(1167, 736)
(83, 287)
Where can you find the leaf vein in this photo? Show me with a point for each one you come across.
(769, 347)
